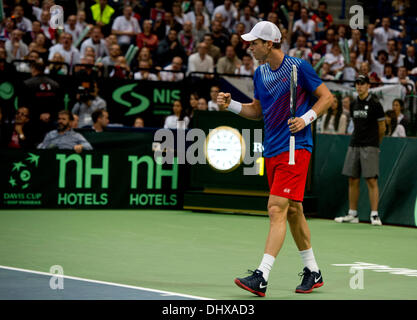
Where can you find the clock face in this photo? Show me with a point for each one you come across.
(225, 148)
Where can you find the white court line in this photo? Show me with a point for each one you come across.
(163, 293)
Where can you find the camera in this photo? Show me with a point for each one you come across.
(84, 94)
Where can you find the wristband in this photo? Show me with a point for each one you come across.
(235, 107)
(309, 117)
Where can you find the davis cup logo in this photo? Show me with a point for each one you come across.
(21, 172)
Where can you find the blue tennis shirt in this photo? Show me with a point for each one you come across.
(272, 89)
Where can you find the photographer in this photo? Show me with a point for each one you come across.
(88, 101)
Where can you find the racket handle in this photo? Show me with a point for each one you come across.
(292, 151)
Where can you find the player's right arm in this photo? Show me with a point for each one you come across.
(251, 111)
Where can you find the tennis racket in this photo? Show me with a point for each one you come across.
(293, 103)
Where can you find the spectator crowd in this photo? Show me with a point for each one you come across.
(169, 40)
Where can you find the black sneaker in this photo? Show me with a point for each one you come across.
(310, 281)
(254, 283)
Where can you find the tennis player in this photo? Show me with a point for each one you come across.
(286, 182)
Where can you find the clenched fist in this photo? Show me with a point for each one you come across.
(223, 100)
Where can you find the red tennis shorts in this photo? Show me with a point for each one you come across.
(288, 181)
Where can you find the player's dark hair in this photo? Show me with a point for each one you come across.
(275, 45)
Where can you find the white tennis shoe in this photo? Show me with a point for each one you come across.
(347, 218)
(376, 221)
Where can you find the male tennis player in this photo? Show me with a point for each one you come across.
(286, 182)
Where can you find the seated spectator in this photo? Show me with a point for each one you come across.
(193, 103)
(229, 13)
(126, 27)
(121, 69)
(201, 61)
(147, 38)
(398, 108)
(88, 101)
(100, 119)
(5, 67)
(410, 59)
(335, 59)
(229, 63)
(47, 30)
(212, 50)
(101, 14)
(178, 120)
(248, 19)
(354, 41)
(199, 29)
(212, 104)
(169, 48)
(202, 104)
(57, 68)
(42, 46)
(393, 128)
(346, 101)
(64, 137)
(64, 47)
(305, 26)
(322, 19)
(22, 23)
(162, 27)
(114, 53)
(335, 121)
(362, 54)
(72, 28)
(96, 42)
(220, 38)
(237, 43)
(18, 135)
(301, 50)
(177, 66)
(30, 36)
(89, 52)
(395, 57)
(81, 20)
(325, 45)
(350, 72)
(25, 66)
(178, 13)
(186, 38)
(325, 72)
(405, 80)
(16, 49)
(139, 123)
(198, 10)
(247, 67)
(389, 75)
(144, 72)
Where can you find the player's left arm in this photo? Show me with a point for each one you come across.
(325, 99)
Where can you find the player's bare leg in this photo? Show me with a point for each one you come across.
(298, 226)
(353, 193)
(373, 192)
(277, 211)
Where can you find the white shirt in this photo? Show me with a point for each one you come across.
(307, 27)
(399, 131)
(393, 80)
(71, 56)
(122, 24)
(190, 16)
(305, 56)
(151, 77)
(99, 48)
(243, 71)
(381, 38)
(249, 24)
(195, 63)
(20, 54)
(400, 61)
(75, 33)
(330, 58)
(212, 106)
(171, 122)
(377, 67)
(171, 76)
(228, 15)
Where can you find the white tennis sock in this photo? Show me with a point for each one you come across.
(266, 265)
(308, 259)
(374, 213)
(353, 212)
